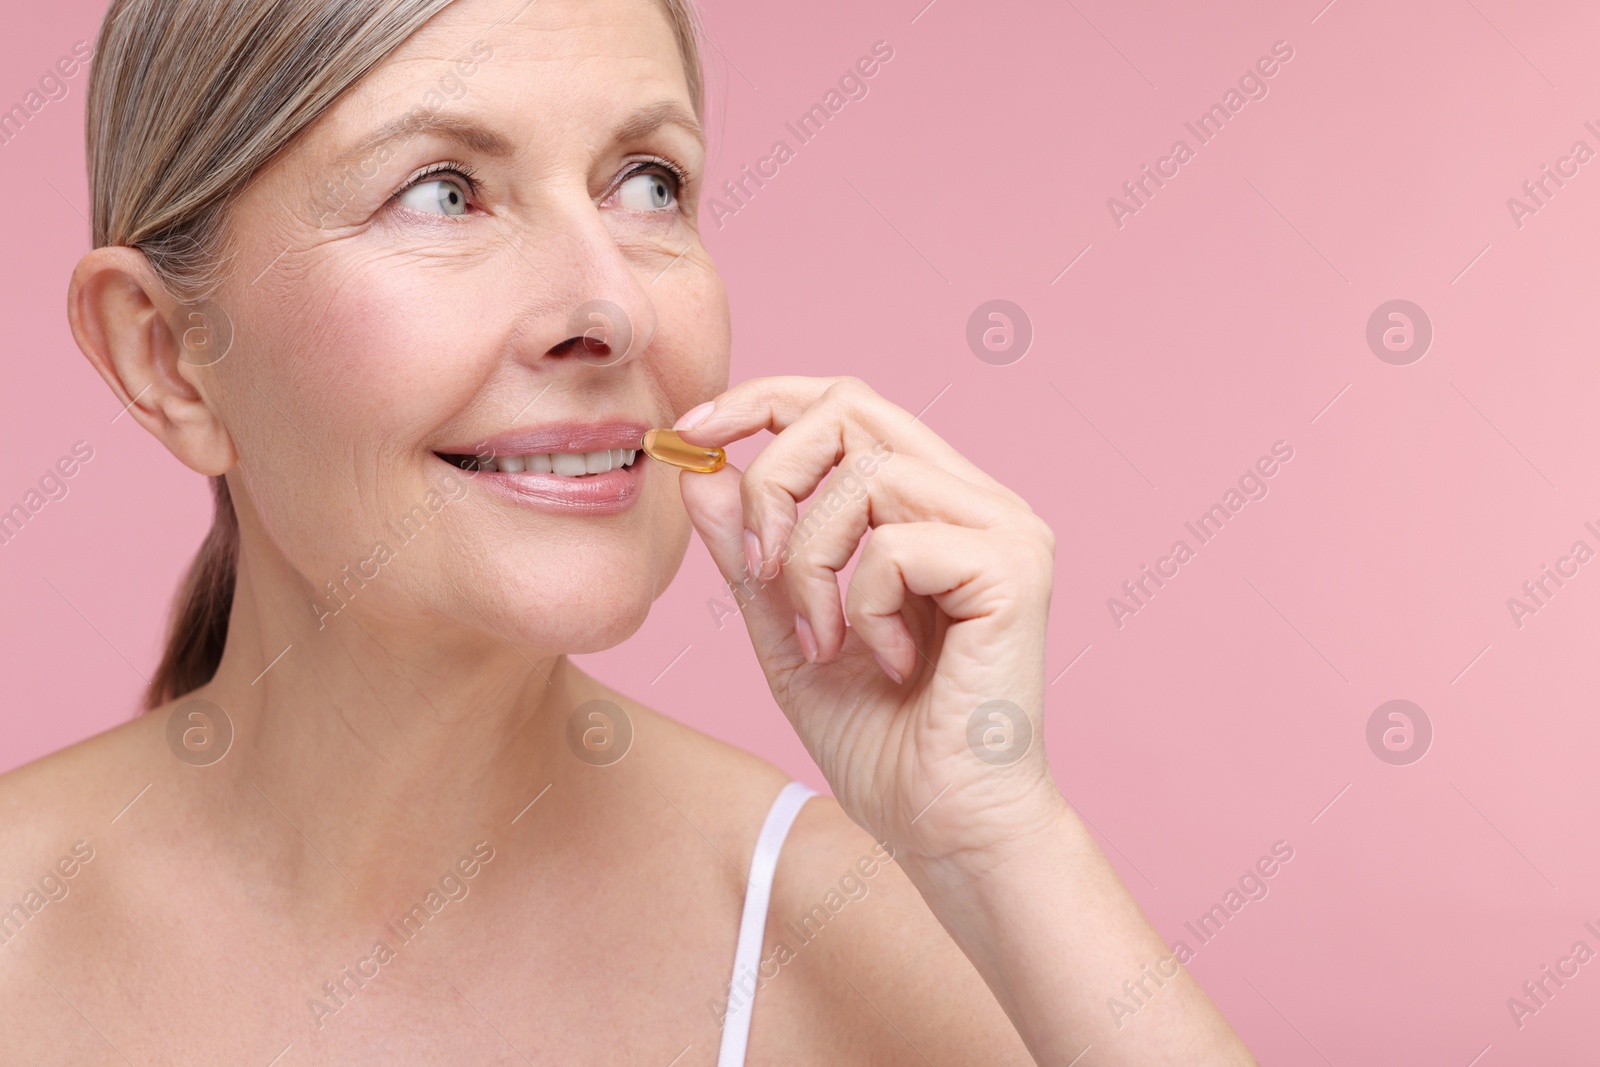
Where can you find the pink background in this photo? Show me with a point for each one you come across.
(1226, 315)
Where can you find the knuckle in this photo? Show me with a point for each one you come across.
(817, 588)
(1037, 562)
(801, 549)
(847, 387)
(750, 485)
(1043, 533)
(849, 481)
(885, 540)
(760, 485)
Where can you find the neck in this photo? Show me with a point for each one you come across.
(385, 750)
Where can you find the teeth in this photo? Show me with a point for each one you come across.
(567, 464)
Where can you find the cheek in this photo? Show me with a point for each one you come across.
(338, 375)
(381, 352)
(692, 359)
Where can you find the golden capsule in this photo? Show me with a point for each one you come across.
(665, 445)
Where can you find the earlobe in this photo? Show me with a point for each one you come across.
(120, 313)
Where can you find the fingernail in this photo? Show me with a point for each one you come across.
(695, 415)
(890, 671)
(752, 553)
(808, 640)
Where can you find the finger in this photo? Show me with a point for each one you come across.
(969, 573)
(818, 420)
(714, 507)
(839, 514)
(846, 417)
(776, 402)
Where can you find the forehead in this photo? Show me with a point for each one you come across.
(533, 64)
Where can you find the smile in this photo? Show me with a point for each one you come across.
(568, 467)
(562, 464)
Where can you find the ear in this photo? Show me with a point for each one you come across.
(121, 316)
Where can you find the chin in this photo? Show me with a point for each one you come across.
(567, 605)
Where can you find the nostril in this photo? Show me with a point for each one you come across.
(602, 333)
(570, 345)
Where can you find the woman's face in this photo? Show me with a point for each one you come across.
(387, 326)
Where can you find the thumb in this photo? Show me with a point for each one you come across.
(717, 511)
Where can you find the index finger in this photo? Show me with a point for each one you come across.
(775, 402)
(766, 403)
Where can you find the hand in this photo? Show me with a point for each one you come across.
(945, 613)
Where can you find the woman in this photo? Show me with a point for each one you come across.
(409, 279)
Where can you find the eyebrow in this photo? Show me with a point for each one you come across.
(650, 119)
(479, 138)
(489, 142)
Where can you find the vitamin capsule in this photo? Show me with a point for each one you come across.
(665, 445)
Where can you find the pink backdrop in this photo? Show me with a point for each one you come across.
(1173, 345)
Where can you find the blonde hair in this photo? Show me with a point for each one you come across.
(187, 101)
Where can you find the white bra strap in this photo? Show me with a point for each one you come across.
(753, 923)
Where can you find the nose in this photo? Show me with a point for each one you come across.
(593, 307)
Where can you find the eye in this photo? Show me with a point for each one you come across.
(654, 189)
(437, 195)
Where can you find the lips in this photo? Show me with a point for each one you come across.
(553, 437)
(612, 489)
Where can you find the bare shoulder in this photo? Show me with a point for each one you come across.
(720, 790)
(872, 965)
(76, 793)
(61, 843)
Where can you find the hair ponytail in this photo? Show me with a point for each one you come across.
(199, 626)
